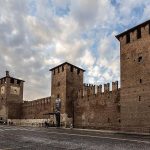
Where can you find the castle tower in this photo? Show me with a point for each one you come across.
(67, 80)
(135, 77)
(11, 97)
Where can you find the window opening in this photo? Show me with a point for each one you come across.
(62, 68)
(139, 98)
(128, 38)
(11, 80)
(71, 68)
(140, 59)
(18, 81)
(138, 33)
(78, 72)
(140, 80)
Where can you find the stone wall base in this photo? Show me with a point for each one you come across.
(65, 121)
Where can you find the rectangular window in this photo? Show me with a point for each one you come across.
(18, 81)
(78, 71)
(62, 68)
(140, 80)
(11, 80)
(128, 38)
(58, 69)
(54, 72)
(140, 59)
(139, 98)
(71, 68)
(138, 33)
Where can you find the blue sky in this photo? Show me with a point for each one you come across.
(37, 35)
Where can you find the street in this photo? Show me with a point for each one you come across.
(29, 138)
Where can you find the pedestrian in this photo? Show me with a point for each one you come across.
(71, 126)
(46, 125)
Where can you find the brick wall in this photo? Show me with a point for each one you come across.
(100, 110)
(36, 108)
(135, 78)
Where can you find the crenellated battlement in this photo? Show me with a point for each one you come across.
(115, 85)
(90, 89)
(107, 87)
(37, 102)
(66, 67)
(135, 33)
(99, 89)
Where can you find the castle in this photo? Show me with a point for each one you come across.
(87, 106)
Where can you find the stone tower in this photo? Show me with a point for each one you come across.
(67, 80)
(135, 77)
(11, 97)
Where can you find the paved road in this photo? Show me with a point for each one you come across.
(28, 138)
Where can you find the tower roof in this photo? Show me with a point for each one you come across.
(8, 76)
(67, 64)
(132, 29)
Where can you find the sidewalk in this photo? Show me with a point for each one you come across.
(111, 131)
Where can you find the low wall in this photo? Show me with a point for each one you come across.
(28, 122)
(65, 121)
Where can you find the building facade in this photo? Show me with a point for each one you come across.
(85, 105)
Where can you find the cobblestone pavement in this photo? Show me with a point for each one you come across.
(28, 138)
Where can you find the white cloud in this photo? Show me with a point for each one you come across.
(35, 38)
(87, 59)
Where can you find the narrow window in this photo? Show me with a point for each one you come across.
(139, 98)
(108, 120)
(58, 84)
(119, 121)
(58, 69)
(140, 59)
(140, 80)
(18, 82)
(78, 72)
(54, 72)
(128, 38)
(71, 68)
(62, 68)
(138, 33)
(11, 80)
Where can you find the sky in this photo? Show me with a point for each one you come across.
(36, 35)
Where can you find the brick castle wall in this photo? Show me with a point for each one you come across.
(36, 109)
(97, 109)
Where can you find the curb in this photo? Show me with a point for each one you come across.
(113, 132)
